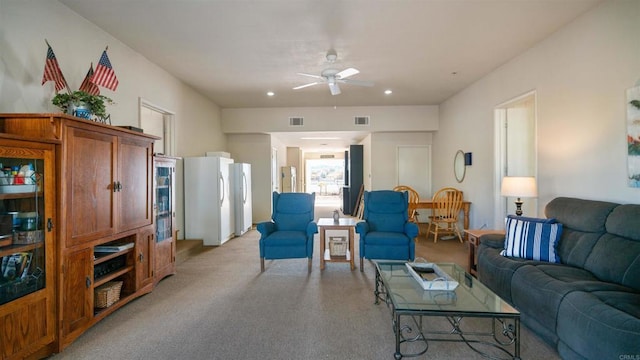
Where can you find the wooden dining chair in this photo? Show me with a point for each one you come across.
(414, 199)
(447, 203)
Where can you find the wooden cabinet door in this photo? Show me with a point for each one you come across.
(164, 256)
(77, 296)
(144, 257)
(89, 185)
(135, 166)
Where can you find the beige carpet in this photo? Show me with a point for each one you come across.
(219, 306)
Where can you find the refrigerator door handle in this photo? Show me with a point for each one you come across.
(244, 188)
(221, 189)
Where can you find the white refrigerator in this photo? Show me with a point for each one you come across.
(241, 190)
(208, 209)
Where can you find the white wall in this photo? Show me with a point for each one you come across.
(581, 74)
(384, 156)
(255, 149)
(24, 25)
(382, 118)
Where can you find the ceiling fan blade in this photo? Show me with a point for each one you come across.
(346, 73)
(311, 75)
(334, 88)
(306, 85)
(356, 82)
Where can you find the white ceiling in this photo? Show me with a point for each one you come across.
(234, 51)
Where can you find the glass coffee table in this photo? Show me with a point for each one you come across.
(411, 308)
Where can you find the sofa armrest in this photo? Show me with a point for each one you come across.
(495, 241)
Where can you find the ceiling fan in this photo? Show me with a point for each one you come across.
(333, 77)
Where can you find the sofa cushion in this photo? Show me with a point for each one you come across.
(583, 223)
(623, 221)
(589, 318)
(496, 271)
(535, 239)
(580, 214)
(616, 259)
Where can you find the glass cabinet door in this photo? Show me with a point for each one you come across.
(164, 202)
(22, 233)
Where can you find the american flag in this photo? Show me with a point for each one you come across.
(52, 71)
(87, 86)
(104, 75)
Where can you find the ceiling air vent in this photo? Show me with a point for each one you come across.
(296, 121)
(327, 156)
(361, 120)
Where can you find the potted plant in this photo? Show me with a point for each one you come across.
(82, 104)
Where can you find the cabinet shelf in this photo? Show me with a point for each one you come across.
(108, 256)
(12, 249)
(112, 275)
(26, 195)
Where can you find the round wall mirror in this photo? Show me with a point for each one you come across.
(458, 166)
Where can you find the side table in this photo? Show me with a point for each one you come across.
(325, 224)
(474, 242)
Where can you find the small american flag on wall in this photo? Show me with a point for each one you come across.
(87, 86)
(104, 75)
(52, 71)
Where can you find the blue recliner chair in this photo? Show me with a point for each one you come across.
(386, 232)
(290, 233)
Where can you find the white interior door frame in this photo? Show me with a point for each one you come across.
(526, 157)
(168, 116)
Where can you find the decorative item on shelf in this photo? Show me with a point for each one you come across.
(83, 105)
(336, 215)
(86, 102)
(519, 186)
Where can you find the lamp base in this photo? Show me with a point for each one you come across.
(518, 207)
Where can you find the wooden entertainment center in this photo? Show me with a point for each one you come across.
(98, 207)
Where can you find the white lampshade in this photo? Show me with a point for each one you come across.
(519, 186)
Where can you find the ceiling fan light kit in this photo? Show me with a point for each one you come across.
(332, 76)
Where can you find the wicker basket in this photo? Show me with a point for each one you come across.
(107, 294)
(338, 246)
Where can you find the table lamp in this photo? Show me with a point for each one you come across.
(519, 187)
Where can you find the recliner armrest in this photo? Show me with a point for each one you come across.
(266, 228)
(362, 227)
(411, 229)
(312, 228)
(495, 241)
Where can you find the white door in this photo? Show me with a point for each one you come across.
(414, 169)
(515, 152)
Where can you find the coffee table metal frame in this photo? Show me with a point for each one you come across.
(394, 286)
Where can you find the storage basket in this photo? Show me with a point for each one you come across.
(338, 246)
(107, 294)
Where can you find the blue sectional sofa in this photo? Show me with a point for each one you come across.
(588, 305)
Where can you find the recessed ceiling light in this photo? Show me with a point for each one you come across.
(270, 93)
(388, 92)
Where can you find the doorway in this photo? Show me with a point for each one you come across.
(159, 122)
(515, 151)
(325, 177)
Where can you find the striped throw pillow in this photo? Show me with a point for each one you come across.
(532, 239)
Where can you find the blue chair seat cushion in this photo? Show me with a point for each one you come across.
(286, 238)
(385, 238)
